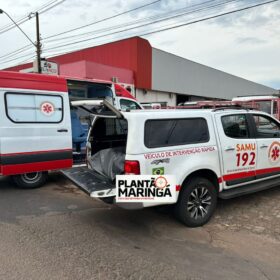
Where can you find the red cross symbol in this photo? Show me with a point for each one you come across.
(275, 153)
(47, 108)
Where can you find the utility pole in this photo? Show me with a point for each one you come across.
(38, 43)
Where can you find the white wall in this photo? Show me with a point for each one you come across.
(171, 73)
(155, 96)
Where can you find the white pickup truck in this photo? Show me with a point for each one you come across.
(212, 153)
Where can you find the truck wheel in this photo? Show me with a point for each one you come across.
(197, 202)
(30, 180)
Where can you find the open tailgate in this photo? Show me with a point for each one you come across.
(86, 104)
(90, 182)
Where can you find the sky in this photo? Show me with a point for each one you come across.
(245, 44)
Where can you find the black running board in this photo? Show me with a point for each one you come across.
(250, 188)
(91, 182)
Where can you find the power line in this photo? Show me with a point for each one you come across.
(145, 19)
(104, 19)
(26, 17)
(27, 60)
(49, 3)
(15, 58)
(46, 7)
(3, 12)
(199, 7)
(24, 48)
(135, 22)
(123, 30)
(168, 28)
(41, 11)
(184, 24)
(212, 17)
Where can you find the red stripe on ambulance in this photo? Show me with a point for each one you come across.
(32, 81)
(241, 175)
(267, 170)
(235, 176)
(34, 167)
(36, 152)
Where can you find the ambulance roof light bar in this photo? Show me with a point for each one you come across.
(232, 108)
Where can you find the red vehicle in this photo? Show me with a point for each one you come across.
(268, 104)
(211, 104)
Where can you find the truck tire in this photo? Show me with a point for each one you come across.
(197, 202)
(30, 180)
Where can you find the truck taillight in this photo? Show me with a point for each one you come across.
(131, 167)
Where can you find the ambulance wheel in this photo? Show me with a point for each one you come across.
(197, 202)
(30, 180)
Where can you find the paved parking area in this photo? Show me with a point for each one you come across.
(57, 232)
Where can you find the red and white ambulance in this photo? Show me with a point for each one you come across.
(267, 103)
(37, 126)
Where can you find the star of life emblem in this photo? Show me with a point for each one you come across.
(47, 108)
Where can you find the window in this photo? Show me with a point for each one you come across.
(86, 90)
(107, 127)
(162, 133)
(264, 106)
(116, 127)
(275, 108)
(99, 91)
(34, 108)
(266, 127)
(128, 105)
(235, 126)
(77, 93)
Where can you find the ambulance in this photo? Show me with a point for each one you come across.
(40, 129)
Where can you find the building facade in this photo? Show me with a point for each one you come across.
(153, 76)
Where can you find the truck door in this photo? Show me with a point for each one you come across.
(238, 149)
(268, 145)
(35, 131)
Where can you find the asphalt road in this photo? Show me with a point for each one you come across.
(57, 232)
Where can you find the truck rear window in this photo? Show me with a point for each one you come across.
(172, 132)
(106, 127)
